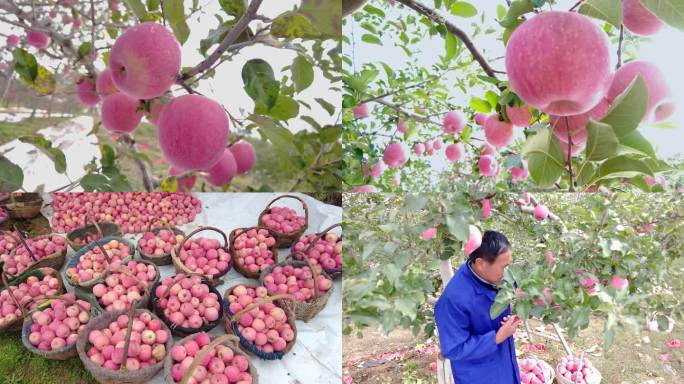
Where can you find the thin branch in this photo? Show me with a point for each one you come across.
(619, 50)
(454, 30)
(567, 126)
(577, 4)
(92, 20)
(230, 38)
(389, 93)
(148, 183)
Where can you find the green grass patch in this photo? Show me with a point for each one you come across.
(10, 131)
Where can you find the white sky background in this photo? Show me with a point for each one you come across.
(226, 86)
(663, 49)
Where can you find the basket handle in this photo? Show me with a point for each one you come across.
(318, 237)
(97, 226)
(204, 352)
(129, 328)
(9, 291)
(189, 235)
(263, 300)
(21, 239)
(306, 208)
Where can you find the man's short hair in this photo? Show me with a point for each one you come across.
(493, 244)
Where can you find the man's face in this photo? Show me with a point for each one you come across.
(494, 272)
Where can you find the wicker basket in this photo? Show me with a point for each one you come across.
(303, 311)
(230, 324)
(86, 287)
(284, 240)
(239, 268)
(108, 376)
(54, 261)
(177, 329)
(546, 365)
(297, 255)
(104, 229)
(229, 341)
(68, 351)
(180, 267)
(23, 205)
(145, 299)
(6, 215)
(164, 259)
(39, 273)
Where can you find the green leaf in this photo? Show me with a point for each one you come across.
(451, 45)
(517, 9)
(607, 10)
(330, 134)
(374, 11)
(11, 175)
(260, 83)
(284, 109)
(217, 35)
(463, 9)
(152, 5)
(302, 73)
(500, 11)
(669, 11)
(635, 142)
(326, 16)
(371, 39)
(414, 203)
(545, 158)
(497, 309)
(407, 307)
(480, 105)
(95, 182)
(84, 49)
(175, 14)
(233, 7)
(601, 141)
(280, 137)
(326, 105)
(45, 146)
(25, 65)
(458, 225)
(108, 156)
(293, 25)
(169, 184)
(585, 174)
(44, 82)
(138, 8)
(628, 109)
(311, 122)
(620, 167)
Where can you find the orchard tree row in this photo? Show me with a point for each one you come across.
(578, 118)
(125, 61)
(614, 255)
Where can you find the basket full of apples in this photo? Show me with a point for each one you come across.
(574, 370)
(535, 371)
(286, 225)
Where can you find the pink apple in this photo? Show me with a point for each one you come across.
(244, 154)
(374, 170)
(360, 111)
(120, 113)
(486, 208)
(145, 60)
(223, 171)
(559, 62)
(418, 148)
(12, 40)
(85, 89)
(455, 152)
(364, 189)
(104, 85)
(453, 122)
(395, 155)
(619, 283)
(519, 116)
(429, 233)
(540, 212)
(660, 103)
(488, 166)
(498, 133)
(38, 39)
(402, 126)
(474, 240)
(638, 19)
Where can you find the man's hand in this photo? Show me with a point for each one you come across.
(508, 326)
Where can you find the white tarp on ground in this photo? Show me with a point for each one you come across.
(317, 355)
(70, 137)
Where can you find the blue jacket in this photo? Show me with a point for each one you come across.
(467, 334)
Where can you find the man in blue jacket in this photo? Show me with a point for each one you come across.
(480, 348)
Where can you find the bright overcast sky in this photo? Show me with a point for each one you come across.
(661, 50)
(226, 86)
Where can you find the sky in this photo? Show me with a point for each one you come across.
(663, 49)
(226, 86)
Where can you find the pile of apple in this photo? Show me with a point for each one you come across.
(297, 281)
(264, 326)
(283, 220)
(42, 247)
(58, 325)
(132, 211)
(580, 371)
(24, 293)
(221, 365)
(187, 302)
(327, 252)
(145, 348)
(93, 263)
(87, 239)
(204, 256)
(534, 371)
(253, 249)
(7, 244)
(160, 243)
(120, 289)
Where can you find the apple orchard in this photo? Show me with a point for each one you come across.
(124, 60)
(614, 256)
(567, 113)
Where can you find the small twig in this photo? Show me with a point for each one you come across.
(577, 4)
(567, 126)
(619, 50)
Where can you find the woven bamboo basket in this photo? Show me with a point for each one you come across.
(300, 255)
(180, 267)
(164, 259)
(284, 240)
(238, 267)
